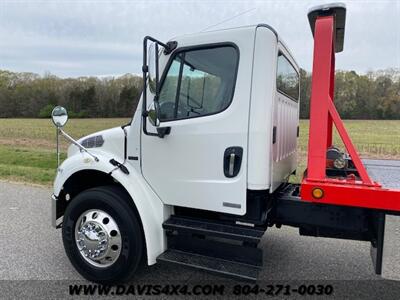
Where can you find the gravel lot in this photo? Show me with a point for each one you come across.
(32, 254)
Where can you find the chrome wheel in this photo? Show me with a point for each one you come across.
(98, 238)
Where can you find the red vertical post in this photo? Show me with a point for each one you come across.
(357, 189)
(329, 141)
(321, 87)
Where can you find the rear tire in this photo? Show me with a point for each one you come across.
(112, 201)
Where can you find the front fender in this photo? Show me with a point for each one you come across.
(151, 210)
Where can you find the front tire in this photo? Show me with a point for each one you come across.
(102, 235)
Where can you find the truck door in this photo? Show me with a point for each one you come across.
(204, 99)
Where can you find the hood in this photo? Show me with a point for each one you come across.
(109, 140)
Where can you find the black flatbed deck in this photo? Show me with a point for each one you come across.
(384, 171)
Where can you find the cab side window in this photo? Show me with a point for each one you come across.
(287, 79)
(198, 83)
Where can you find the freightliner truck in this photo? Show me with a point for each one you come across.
(201, 171)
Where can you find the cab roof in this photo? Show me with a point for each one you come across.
(250, 27)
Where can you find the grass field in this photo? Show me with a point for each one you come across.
(27, 146)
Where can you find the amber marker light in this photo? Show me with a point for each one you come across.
(317, 193)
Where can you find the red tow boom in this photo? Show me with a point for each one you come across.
(327, 25)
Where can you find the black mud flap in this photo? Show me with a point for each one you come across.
(386, 251)
(377, 244)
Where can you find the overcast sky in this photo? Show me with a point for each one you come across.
(78, 38)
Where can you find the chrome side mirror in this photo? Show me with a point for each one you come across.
(154, 114)
(59, 116)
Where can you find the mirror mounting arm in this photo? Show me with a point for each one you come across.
(163, 131)
(82, 148)
(171, 46)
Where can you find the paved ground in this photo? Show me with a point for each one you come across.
(32, 250)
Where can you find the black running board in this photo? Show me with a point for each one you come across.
(217, 229)
(211, 264)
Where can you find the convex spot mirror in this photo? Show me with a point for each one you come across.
(59, 116)
(153, 114)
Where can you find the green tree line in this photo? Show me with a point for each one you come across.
(28, 95)
(375, 95)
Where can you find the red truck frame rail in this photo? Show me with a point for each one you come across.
(327, 26)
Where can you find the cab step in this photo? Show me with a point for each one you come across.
(213, 245)
(213, 228)
(211, 264)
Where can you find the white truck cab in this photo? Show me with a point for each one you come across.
(220, 101)
(202, 169)
(225, 139)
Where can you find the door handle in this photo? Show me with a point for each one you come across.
(232, 161)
